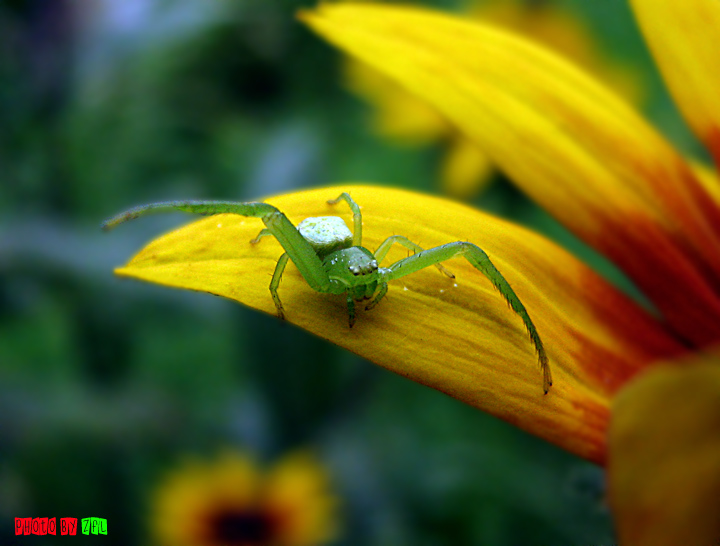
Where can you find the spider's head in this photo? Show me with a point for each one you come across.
(353, 266)
(363, 267)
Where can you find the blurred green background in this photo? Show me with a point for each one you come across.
(106, 383)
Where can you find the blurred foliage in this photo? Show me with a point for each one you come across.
(103, 383)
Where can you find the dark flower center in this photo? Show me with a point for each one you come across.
(242, 527)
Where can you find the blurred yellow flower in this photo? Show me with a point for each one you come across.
(664, 464)
(230, 501)
(405, 118)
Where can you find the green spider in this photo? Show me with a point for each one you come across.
(332, 259)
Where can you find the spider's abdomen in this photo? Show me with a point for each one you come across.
(326, 234)
(352, 267)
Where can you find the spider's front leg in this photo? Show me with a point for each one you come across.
(480, 261)
(296, 247)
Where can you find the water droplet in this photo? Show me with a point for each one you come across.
(442, 291)
(219, 225)
(455, 285)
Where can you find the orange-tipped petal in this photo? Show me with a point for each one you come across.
(455, 335)
(571, 144)
(664, 457)
(685, 40)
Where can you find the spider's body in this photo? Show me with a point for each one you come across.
(350, 269)
(332, 259)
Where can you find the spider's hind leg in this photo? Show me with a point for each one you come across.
(263, 233)
(275, 282)
(357, 216)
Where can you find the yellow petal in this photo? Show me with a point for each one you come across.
(685, 40)
(398, 115)
(565, 32)
(457, 336)
(466, 171)
(571, 144)
(664, 460)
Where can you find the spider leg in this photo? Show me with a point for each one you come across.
(298, 248)
(207, 208)
(380, 295)
(263, 233)
(480, 261)
(351, 309)
(384, 247)
(357, 216)
(275, 282)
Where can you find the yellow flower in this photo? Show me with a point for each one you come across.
(591, 161)
(599, 168)
(405, 118)
(229, 501)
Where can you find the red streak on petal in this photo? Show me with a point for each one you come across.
(704, 252)
(659, 265)
(606, 368)
(596, 417)
(712, 141)
(638, 339)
